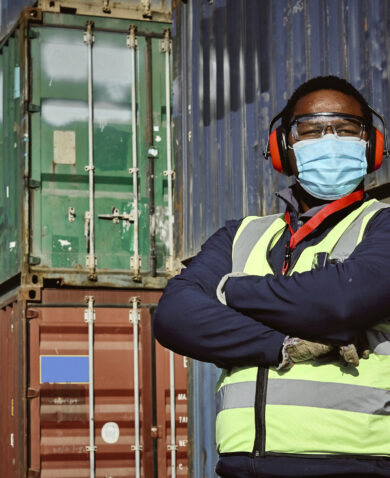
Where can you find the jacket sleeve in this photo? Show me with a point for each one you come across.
(191, 321)
(335, 302)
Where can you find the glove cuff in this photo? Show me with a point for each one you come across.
(286, 362)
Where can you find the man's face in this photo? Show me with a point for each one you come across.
(322, 101)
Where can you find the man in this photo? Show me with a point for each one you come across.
(300, 288)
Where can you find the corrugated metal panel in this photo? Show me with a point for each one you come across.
(47, 86)
(57, 388)
(11, 434)
(235, 65)
(156, 10)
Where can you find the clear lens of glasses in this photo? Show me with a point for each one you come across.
(316, 126)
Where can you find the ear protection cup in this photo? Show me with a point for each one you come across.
(278, 151)
(375, 150)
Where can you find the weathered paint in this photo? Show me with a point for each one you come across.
(12, 453)
(235, 65)
(154, 10)
(47, 143)
(45, 417)
(11, 179)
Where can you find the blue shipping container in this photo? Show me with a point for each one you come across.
(235, 65)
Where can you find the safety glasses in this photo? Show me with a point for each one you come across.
(316, 125)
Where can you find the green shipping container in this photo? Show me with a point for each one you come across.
(85, 177)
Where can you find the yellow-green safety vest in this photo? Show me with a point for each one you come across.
(315, 408)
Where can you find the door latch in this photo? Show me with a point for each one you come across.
(116, 216)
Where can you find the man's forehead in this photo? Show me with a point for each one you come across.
(327, 101)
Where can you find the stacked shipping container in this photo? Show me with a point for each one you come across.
(235, 65)
(86, 244)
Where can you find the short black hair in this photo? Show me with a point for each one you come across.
(325, 83)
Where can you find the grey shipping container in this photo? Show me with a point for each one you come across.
(235, 65)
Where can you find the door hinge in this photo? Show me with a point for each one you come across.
(33, 183)
(32, 393)
(33, 473)
(32, 314)
(33, 108)
(34, 261)
(32, 34)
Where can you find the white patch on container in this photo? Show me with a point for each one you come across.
(62, 112)
(158, 139)
(64, 147)
(12, 245)
(65, 59)
(161, 217)
(7, 191)
(156, 128)
(17, 82)
(64, 242)
(110, 432)
(12, 440)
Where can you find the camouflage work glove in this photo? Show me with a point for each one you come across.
(306, 350)
(351, 353)
(297, 350)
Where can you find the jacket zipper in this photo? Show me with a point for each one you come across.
(261, 394)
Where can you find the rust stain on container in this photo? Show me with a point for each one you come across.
(58, 390)
(8, 381)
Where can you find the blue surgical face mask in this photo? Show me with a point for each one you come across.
(330, 168)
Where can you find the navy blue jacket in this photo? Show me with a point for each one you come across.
(334, 302)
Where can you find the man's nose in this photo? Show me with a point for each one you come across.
(327, 127)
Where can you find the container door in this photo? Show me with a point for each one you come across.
(60, 415)
(10, 436)
(11, 169)
(61, 202)
(59, 390)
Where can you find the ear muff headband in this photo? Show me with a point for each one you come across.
(278, 150)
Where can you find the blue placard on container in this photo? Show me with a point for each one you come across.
(64, 369)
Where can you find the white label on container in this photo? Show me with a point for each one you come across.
(12, 441)
(12, 245)
(156, 128)
(17, 82)
(7, 191)
(158, 139)
(64, 147)
(110, 432)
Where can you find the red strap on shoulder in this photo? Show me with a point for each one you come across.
(321, 215)
(315, 221)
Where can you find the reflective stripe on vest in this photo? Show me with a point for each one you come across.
(243, 244)
(348, 241)
(335, 409)
(329, 395)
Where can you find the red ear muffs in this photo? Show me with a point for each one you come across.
(375, 150)
(279, 151)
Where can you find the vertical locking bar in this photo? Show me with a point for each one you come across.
(166, 48)
(135, 260)
(134, 318)
(89, 39)
(173, 446)
(89, 318)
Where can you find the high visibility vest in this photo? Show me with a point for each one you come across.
(316, 407)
